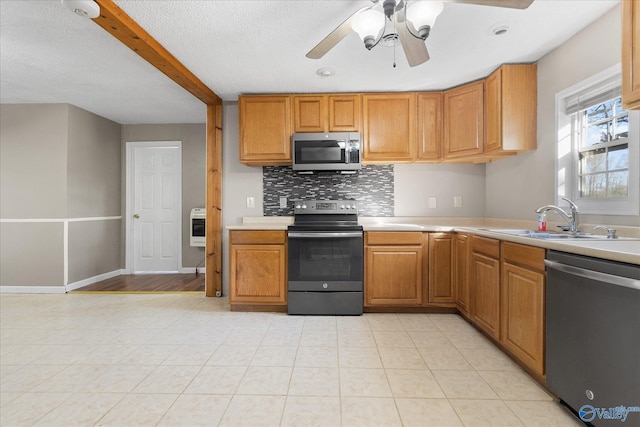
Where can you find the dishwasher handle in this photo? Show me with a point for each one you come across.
(594, 275)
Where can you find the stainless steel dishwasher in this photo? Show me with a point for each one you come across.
(593, 337)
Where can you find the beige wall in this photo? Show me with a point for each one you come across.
(93, 165)
(194, 170)
(58, 163)
(94, 249)
(31, 254)
(33, 161)
(516, 186)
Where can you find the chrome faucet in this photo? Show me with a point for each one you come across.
(573, 218)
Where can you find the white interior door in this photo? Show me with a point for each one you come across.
(156, 208)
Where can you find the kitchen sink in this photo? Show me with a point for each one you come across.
(552, 236)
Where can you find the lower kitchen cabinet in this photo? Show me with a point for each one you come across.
(394, 269)
(484, 279)
(257, 269)
(460, 271)
(522, 305)
(441, 252)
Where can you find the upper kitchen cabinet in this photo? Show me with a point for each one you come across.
(429, 122)
(265, 130)
(310, 113)
(326, 113)
(388, 132)
(511, 109)
(464, 121)
(344, 113)
(631, 55)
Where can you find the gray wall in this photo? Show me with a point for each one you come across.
(194, 172)
(33, 161)
(58, 163)
(93, 165)
(516, 186)
(93, 183)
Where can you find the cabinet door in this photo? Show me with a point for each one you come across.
(265, 130)
(257, 274)
(485, 306)
(511, 109)
(389, 127)
(393, 276)
(460, 272)
(440, 268)
(429, 120)
(523, 315)
(631, 55)
(464, 121)
(309, 113)
(344, 113)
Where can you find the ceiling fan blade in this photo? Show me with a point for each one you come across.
(334, 37)
(513, 4)
(414, 48)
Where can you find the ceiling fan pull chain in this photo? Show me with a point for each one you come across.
(394, 44)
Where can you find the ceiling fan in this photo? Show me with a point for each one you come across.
(411, 25)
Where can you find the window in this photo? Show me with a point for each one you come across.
(597, 162)
(603, 151)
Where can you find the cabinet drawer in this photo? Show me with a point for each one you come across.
(483, 245)
(257, 236)
(526, 256)
(393, 238)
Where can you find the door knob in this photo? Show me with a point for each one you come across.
(136, 216)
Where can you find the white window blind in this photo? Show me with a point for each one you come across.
(606, 91)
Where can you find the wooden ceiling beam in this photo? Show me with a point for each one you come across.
(121, 26)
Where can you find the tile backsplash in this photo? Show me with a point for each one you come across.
(372, 187)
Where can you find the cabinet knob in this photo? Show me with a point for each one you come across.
(136, 216)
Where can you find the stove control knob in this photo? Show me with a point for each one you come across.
(341, 206)
(298, 206)
(353, 207)
(304, 206)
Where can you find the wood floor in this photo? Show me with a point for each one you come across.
(149, 283)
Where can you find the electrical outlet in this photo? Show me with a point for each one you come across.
(432, 202)
(283, 202)
(457, 201)
(251, 202)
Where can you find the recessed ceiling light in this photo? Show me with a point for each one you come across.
(498, 29)
(325, 72)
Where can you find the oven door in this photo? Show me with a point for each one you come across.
(325, 261)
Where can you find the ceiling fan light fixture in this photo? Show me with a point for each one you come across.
(422, 15)
(368, 24)
(84, 8)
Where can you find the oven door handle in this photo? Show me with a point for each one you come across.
(322, 235)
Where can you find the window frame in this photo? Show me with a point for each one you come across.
(567, 154)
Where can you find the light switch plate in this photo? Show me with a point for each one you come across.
(283, 202)
(432, 202)
(457, 201)
(251, 202)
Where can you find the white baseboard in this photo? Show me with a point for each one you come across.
(91, 280)
(32, 290)
(189, 270)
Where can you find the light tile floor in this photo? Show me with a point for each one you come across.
(185, 360)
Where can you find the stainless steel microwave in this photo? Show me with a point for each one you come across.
(335, 151)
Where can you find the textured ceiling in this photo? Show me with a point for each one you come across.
(48, 54)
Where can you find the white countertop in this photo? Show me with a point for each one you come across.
(617, 250)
